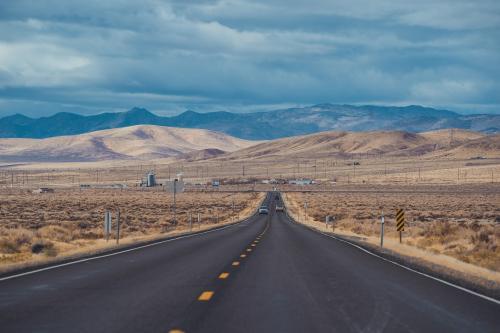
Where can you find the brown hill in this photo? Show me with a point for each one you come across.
(465, 144)
(135, 142)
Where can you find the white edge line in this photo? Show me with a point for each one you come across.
(122, 251)
(491, 299)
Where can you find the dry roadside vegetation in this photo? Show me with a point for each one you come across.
(463, 226)
(41, 227)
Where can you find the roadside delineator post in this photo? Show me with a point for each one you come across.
(234, 217)
(305, 212)
(382, 222)
(400, 223)
(118, 226)
(190, 221)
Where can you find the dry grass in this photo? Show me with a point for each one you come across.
(461, 226)
(36, 227)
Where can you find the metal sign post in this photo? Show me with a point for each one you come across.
(107, 224)
(190, 221)
(175, 186)
(199, 221)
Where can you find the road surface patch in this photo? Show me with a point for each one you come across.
(205, 296)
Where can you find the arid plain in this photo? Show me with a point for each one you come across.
(448, 182)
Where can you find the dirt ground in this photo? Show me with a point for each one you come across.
(355, 170)
(464, 225)
(34, 227)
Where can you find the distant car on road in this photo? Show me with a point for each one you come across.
(263, 210)
(280, 208)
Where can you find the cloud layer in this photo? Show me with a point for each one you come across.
(57, 55)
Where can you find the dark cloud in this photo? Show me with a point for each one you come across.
(92, 56)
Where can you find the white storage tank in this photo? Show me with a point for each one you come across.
(151, 181)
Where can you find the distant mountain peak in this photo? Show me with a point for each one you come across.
(139, 111)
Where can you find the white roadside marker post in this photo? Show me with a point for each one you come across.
(190, 221)
(118, 226)
(305, 212)
(382, 221)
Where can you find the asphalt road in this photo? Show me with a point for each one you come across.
(280, 277)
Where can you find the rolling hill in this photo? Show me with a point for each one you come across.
(259, 125)
(464, 144)
(144, 142)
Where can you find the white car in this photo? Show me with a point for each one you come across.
(263, 210)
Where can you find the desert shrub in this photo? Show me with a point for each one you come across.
(45, 247)
(22, 237)
(9, 246)
(482, 237)
(83, 225)
(56, 233)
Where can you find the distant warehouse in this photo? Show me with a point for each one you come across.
(304, 181)
(43, 190)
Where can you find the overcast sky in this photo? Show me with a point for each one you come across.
(110, 55)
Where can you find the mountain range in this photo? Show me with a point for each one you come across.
(259, 125)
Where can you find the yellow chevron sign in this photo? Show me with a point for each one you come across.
(400, 220)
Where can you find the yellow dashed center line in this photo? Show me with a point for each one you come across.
(235, 263)
(243, 256)
(253, 244)
(175, 331)
(205, 296)
(223, 275)
(249, 250)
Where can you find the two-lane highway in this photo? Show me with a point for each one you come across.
(267, 274)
